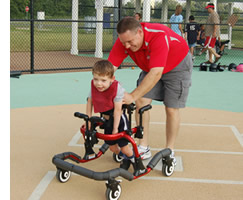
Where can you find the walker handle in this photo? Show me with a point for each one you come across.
(139, 133)
(145, 108)
(81, 115)
(96, 119)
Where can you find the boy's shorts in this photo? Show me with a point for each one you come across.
(210, 42)
(192, 45)
(173, 87)
(123, 125)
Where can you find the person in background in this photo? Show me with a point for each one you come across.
(192, 33)
(221, 45)
(202, 38)
(177, 18)
(138, 16)
(211, 33)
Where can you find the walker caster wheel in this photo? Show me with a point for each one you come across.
(117, 158)
(113, 194)
(63, 175)
(168, 168)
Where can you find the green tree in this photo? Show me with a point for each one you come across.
(17, 8)
(87, 8)
(158, 5)
(128, 8)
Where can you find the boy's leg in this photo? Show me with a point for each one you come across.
(127, 151)
(128, 157)
(115, 148)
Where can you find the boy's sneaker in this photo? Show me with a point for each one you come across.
(144, 152)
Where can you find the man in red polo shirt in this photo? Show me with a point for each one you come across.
(166, 62)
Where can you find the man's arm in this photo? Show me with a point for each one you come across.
(146, 85)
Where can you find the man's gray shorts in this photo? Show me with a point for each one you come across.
(173, 87)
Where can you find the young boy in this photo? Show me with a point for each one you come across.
(202, 37)
(106, 98)
(192, 33)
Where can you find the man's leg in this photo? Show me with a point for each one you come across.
(210, 55)
(172, 126)
(212, 51)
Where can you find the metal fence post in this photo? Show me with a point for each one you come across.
(32, 36)
(74, 48)
(99, 29)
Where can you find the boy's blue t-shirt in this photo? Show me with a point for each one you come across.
(175, 27)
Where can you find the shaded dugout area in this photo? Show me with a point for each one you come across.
(209, 147)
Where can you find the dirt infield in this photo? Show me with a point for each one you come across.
(53, 60)
(49, 60)
(210, 146)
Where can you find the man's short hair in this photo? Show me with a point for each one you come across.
(103, 68)
(127, 23)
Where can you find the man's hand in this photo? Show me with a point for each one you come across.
(128, 98)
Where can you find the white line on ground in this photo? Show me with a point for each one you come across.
(192, 180)
(232, 127)
(41, 187)
(237, 134)
(75, 139)
(229, 182)
(77, 136)
(180, 150)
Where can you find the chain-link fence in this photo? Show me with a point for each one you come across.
(49, 35)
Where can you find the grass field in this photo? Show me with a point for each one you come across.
(53, 36)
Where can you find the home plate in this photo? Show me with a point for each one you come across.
(178, 168)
